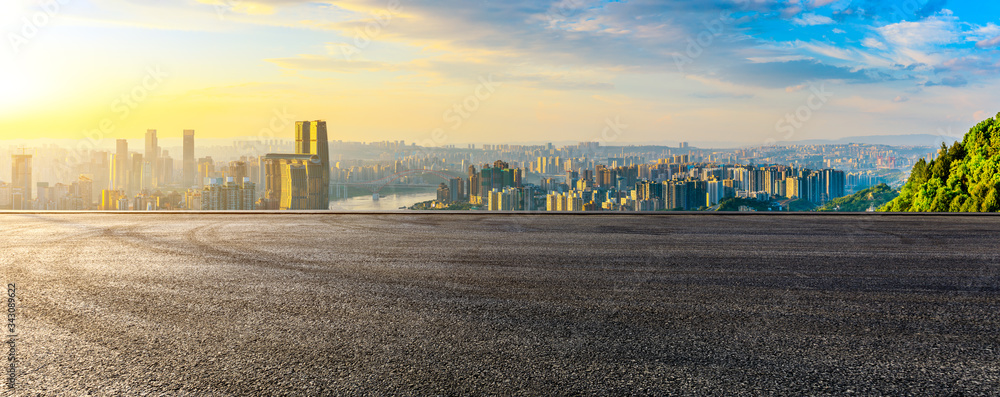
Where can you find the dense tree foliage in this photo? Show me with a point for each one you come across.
(734, 203)
(873, 197)
(964, 177)
(800, 205)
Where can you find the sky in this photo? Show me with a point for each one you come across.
(452, 72)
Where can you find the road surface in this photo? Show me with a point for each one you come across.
(416, 304)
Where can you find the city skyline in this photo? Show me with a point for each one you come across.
(732, 72)
(252, 175)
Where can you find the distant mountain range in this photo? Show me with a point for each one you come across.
(930, 140)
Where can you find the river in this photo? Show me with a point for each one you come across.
(388, 202)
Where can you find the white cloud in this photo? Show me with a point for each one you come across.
(936, 30)
(987, 36)
(812, 20)
(838, 31)
(988, 43)
(921, 42)
(820, 3)
(872, 42)
(796, 88)
(784, 58)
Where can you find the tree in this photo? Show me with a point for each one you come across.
(964, 177)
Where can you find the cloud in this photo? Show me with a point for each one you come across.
(900, 99)
(587, 44)
(793, 73)
(812, 20)
(555, 82)
(892, 11)
(872, 42)
(718, 95)
(240, 6)
(988, 43)
(951, 81)
(784, 58)
(866, 105)
(973, 64)
(331, 64)
(820, 3)
(932, 31)
(797, 88)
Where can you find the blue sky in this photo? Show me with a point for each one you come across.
(724, 72)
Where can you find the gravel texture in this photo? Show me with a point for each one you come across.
(417, 304)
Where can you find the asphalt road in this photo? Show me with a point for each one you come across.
(172, 304)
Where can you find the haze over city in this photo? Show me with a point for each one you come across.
(715, 73)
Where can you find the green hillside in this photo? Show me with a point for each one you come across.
(873, 197)
(964, 177)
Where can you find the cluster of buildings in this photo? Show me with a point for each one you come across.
(129, 180)
(300, 180)
(669, 184)
(306, 172)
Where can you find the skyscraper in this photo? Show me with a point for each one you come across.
(122, 165)
(21, 180)
(166, 165)
(294, 182)
(311, 138)
(152, 156)
(135, 175)
(190, 167)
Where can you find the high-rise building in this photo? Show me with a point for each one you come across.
(455, 189)
(714, 193)
(474, 186)
(232, 195)
(111, 199)
(238, 170)
(121, 166)
(135, 175)
(21, 180)
(295, 182)
(311, 138)
(100, 173)
(166, 175)
(206, 169)
(152, 156)
(190, 168)
(5, 196)
(85, 188)
(444, 193)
